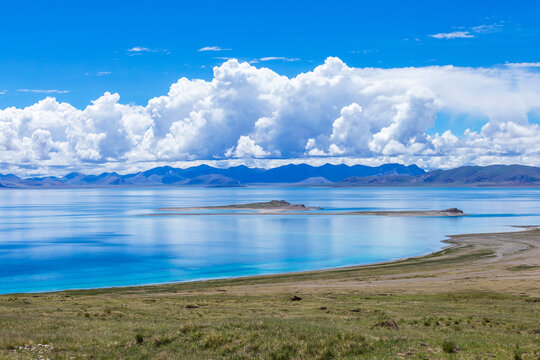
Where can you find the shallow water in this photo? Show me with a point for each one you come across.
(84, 238)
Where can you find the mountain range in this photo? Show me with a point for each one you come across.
(298, 175)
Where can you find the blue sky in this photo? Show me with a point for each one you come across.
(127, 85)
(82, 47)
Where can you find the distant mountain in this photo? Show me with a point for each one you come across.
(297, 175)
(494, 175)
(213, 180)
(205, 175)
(284, 174)
(314, 181)
(387, 180)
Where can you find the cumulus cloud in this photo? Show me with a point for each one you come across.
(255, 116)
(246, 148)
(453, 35)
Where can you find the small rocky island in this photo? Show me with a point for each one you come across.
(452, 212)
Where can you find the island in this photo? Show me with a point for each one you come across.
(274, 205)
(282, 207)
(422, 213)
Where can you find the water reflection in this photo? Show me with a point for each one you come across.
(80, 238)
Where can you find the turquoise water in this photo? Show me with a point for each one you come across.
(85, 238)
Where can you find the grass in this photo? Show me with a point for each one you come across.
(404, 310)
(248, 327)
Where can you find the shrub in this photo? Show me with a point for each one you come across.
(188, 327)
(449, 347)
(213, 341)
(163, 340)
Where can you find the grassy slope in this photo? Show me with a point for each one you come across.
(477, 299)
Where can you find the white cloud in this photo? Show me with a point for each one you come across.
(524, 64)
(99, 73)
(487, 28)
(463, 34)
(141, 49)
(41, 91)
(365, 51)
(279, 58)
(453, 35)
(246, 148)
(213, 48)
(251, 115)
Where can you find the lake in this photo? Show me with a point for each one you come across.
(85, 238)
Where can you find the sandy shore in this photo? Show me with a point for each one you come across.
(499, 262)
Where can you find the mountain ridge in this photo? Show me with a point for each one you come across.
(208, 175)
(326, 175)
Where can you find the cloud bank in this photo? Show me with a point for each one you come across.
(253, 115)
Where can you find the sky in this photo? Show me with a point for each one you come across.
(124, 86)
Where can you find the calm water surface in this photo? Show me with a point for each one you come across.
(84, 238)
